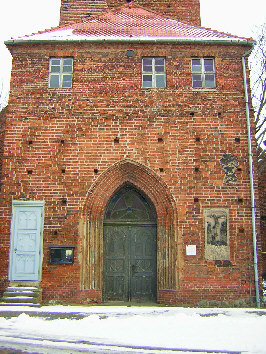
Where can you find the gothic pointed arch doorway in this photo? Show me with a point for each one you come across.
(129, 247)
(155, 190)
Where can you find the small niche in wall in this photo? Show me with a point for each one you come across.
(61, 254)
(64, 201)
(129, 53)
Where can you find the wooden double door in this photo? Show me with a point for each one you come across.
(130, 249)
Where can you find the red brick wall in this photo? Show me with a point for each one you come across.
(75, 11)
(73, 130)
(3, 245)
(262, 196)
(183, 10)
(2, 135)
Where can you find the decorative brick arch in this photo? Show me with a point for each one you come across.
(147, 181)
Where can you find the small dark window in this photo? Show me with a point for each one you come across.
(61, 254)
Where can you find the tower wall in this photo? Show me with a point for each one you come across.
(183, 10)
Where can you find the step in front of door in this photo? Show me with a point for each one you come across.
(21, 296)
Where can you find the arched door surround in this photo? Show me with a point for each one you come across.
(147, 181)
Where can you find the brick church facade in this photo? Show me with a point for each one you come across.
(125, 169)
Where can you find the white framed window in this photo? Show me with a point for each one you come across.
(153, 73)
(60, 72)
(203, 73)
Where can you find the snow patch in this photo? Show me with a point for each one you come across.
(151, 327)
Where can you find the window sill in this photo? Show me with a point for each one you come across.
(205, 89)
(153, 88)
(60, 88)
(54, 92)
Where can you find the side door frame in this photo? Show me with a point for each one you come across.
(15, 205)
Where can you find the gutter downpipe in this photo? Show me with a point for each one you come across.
(250, 158)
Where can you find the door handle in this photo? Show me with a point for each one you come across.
(133, 268)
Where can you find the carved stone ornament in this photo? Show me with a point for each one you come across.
(229, 163)
(216, 234)
(216, 228)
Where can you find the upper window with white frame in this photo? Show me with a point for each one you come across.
(153, 73)
(203, 73)
(60, 72)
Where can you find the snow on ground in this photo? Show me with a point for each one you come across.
(155, 329)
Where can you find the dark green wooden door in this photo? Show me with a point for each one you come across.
(143, 270)
(129, 255)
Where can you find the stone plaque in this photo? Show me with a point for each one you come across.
(216, 234)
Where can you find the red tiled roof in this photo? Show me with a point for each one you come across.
(131, 22)
(134, 21)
